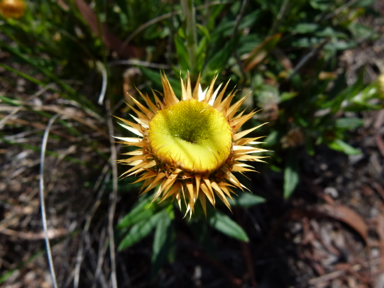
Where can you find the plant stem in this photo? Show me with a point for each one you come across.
(191, 36)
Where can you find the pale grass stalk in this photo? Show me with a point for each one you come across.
(42, 204)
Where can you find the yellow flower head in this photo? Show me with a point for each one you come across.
(12, 8)
(190, 148)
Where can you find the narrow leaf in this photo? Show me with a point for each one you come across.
(246, 200)
(340, 145)
(140, 230)
(349, 123)
(162, 242)
(291, 174)
(227, 226)
(142, 210)
(261, 51)
(220, 59)
(182, 53)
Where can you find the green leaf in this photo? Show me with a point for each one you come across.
(348, 93)
(330, 32)
(360, 31)
(204, 30)
(272, 139)
(163, 240)
(305, 28)
(140, 230)
(152, 75)
(287, 96)
(227, 226)
(291, 174)
(220, 59)
(339, 45)
(202, 47)
(225, 28)
(349, 123)
(142, 210)
(340, 145)
(320, 4)
(182, 53)
(201, 54)
(246, 200)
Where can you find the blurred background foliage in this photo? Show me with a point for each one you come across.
(89, 54)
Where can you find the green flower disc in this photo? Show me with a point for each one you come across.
(191, 135)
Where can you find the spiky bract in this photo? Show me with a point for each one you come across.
(189, 148)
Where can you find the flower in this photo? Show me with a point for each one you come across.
(12, 8)
(190, 148)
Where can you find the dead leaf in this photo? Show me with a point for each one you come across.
(261, 51)
(346, 215)
(338, 212)
(323, 75)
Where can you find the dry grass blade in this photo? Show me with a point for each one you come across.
(42, 205)
(103, 246)
(80, 119)
(135, 62)
(103, 71)
(79, 260)
(9, 116)
(52, 234)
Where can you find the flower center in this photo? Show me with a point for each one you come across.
(191, 135)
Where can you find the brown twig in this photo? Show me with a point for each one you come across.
(336, 274)
(307, 57)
